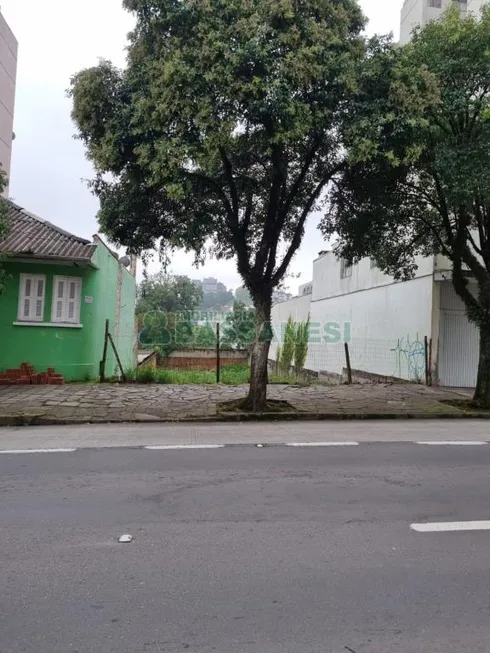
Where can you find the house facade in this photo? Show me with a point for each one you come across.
(393, 329)
(59, 291)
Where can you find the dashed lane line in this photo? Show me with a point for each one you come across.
(454, 443)
(322, 444)
(159, 447)
(451, 526)
(11, 451)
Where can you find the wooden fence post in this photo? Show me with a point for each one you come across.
(104, 354)
(123, 376)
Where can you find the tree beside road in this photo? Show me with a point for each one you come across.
(223, 133)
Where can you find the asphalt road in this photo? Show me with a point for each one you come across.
(245, 550)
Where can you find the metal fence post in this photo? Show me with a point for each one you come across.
(427, 366)
(218, 362)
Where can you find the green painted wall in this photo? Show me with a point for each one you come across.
(73, 352)
(126, 330)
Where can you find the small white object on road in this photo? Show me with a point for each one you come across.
(458, 443)
(451, 526)
(37, 451)
(158, 447)
(259, 445)
(126, 538)
(322, 444)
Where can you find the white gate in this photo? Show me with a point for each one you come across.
(458, 350)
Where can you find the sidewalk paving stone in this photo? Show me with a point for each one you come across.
(126, 403)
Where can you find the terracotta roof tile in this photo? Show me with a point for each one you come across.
(31, 236)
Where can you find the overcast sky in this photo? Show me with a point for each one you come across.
(56, 39)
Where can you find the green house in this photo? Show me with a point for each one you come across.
(58, 293)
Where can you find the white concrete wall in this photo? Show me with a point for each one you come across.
(411, 16)
(418, 12)
(384, 322)
(8, 72)
(475, 5)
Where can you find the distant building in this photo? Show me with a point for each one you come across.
(305, 289)
(280, 296)
(210, 286)
(8, 73)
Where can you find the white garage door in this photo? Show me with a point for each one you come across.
(458, 350)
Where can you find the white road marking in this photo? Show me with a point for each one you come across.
(322, 444)
(37, 450)
(442, 527)
(159, 447)
(462, 443)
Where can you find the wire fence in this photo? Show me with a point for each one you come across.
(404, 358)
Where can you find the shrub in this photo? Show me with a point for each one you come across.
(287, 353)
(301, 345)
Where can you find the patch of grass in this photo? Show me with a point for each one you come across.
(235, 374)
(183, 377)
(467, 405)
(145, 375)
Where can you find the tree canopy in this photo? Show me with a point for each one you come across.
(168, 293)
(216, 302)
(239, 328)
(417, 177)
(223, 132)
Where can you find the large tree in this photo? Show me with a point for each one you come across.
(418, 179)
(222, 133)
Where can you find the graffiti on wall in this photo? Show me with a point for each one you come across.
(409, 358)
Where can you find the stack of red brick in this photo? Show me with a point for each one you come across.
(25, 375)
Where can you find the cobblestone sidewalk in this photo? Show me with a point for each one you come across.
(129, 403)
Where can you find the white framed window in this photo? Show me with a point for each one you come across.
(67, 295)
(31, 298)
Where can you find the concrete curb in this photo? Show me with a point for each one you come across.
(45, 420)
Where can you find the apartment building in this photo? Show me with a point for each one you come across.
(420, 12)
(8, 73)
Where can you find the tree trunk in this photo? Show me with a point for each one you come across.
(257, 395)
(482, 392)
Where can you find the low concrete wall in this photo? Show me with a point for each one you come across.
(305, 373)
(203, 359)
